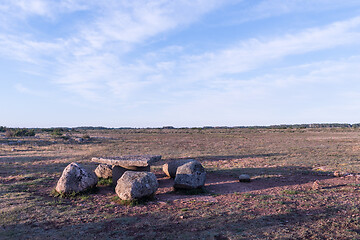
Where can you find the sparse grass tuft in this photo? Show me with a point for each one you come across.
(104, 182)
(272, 156)
(74, 195)
(290, 192)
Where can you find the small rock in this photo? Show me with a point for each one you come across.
(104, 171)
(171, 167)
(320, 169)
(339, 174)
(244, 178)
(135, 185)
(191, 175)
(316, 185)
(75, 179)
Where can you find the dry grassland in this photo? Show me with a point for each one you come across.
(280, 202)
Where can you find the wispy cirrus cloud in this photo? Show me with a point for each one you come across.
(251, 54)
(92, 58)
(258, 10)
(185, 72)
(94, 61)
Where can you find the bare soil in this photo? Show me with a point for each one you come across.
(293, 193)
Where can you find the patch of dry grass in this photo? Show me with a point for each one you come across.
(30, 168)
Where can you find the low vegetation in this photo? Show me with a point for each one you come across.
(2, 129)
(280, 202)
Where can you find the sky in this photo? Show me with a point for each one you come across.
(183, 63)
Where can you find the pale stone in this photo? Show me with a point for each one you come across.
(75, 179)
(171, 167)
(191, 175)
(129, 161)
(316, 185)
(118, 171)
(104, 171)
(134, 185)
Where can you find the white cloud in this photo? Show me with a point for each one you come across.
(185, 75)
(37, 7)
(26, 90)
(26, 50)
(254, 53)
(21, 9)
(271, 8)
(94, 62)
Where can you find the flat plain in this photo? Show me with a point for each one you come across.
(293, 193)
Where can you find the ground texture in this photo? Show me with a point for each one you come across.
(293, 193)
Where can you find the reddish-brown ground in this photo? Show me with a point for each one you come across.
(281, 201)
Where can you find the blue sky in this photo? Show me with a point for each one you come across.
(182, 63)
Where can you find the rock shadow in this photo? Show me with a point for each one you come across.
(226, 181)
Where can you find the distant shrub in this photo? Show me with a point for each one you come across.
(46, 130)
(24, 132)
(2, 129)
(57, 132)
(168, 127)
(65, 137)
(85, 136)
(9, 133)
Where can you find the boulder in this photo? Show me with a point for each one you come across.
(134, 185)
(118, 171)
(191, 175)
(244, 178)
(104, 171)
(170, 168)
(75, 179)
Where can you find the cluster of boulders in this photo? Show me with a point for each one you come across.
(188, 173)
(132, 184)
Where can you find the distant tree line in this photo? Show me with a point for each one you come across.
(315, 125)
(19, 132)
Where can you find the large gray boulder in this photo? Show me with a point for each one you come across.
(170, 168)
(191, 175)
(134, 185)
(104, 171)
(118, 171)
(75, 179)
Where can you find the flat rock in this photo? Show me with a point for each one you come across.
(129, 161)
(75, 179)
(135, 185)
(171, 167)
(191, 175)
(104, 171)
